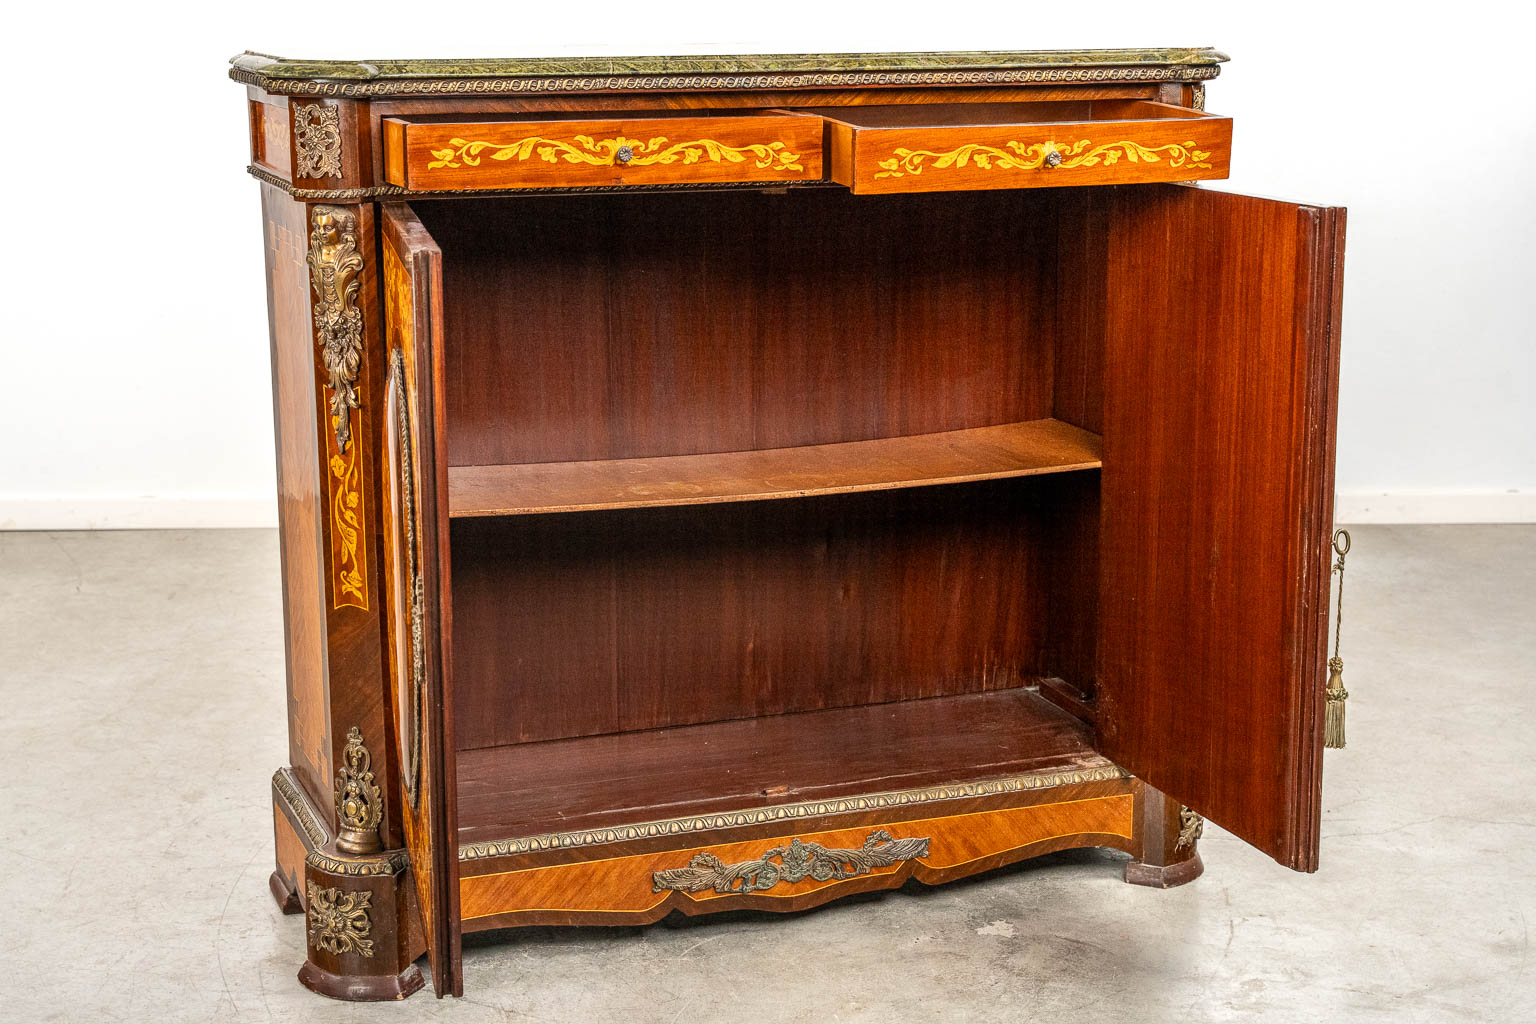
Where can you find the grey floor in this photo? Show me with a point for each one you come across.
(142, 716)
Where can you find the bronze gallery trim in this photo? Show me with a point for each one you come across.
(746, 72)
(298, 805)
(391, 863)
(1101, 771)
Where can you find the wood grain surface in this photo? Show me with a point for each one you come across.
(600, 781)
(957, 456)
(613, 327)
(1221, 363)
(570, 625)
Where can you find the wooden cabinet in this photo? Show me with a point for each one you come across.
(741, 482)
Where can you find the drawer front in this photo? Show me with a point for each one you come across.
(426, 156)
(957, 158)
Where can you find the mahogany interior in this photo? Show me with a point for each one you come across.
(604, 781)
(581, 329)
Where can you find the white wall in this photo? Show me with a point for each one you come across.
(134, 338)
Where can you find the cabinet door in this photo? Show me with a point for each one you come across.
(416, 544)
(1221, 368)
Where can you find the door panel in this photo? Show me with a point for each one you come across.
(416, 545)
(1221, 368)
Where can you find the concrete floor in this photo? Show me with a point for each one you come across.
(141, 680)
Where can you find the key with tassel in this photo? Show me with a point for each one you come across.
(1333, 726)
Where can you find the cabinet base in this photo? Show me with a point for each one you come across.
(361, 988)
(287, 896)
(1164, 876)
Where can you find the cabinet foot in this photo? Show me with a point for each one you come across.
(287, 897)
(361, 987)
(1169, 833)
(1164, 876)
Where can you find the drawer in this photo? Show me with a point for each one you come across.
(429, 156)
(953, 147)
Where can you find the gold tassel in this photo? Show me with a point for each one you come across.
(1333, 726)
(1333, 722)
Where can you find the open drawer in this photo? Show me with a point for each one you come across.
(952, 147)
(565, 151)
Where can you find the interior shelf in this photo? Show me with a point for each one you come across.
(627, 778)
(955, 456)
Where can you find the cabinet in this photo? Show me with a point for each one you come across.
(739, 482)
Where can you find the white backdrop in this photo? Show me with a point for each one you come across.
(136, 387)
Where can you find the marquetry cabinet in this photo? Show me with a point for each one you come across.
(739, 482)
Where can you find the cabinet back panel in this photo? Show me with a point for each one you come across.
(597, 622)
(596, 327)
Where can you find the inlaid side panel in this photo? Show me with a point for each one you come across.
(300, 501)
(792, 871)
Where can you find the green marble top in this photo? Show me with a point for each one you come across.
(407, 76)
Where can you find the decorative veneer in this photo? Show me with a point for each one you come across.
(737, 482)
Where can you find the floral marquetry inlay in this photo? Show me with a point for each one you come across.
(1019, 156)
(621, 151)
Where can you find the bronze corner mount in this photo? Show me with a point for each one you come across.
(359, 804)
(796, 862)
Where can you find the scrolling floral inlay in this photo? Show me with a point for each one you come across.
(1190, 827)
(797, 862)
(317, 135)
(1018, 156)
(335, 269)
(359, 804)
(338, 921)
(583, 149)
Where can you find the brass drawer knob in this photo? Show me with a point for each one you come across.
(1052, 158)
(624, 154)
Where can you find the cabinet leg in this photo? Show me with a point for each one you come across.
(361, 922)
(358, 928)
(286, 895)
(1170, 835)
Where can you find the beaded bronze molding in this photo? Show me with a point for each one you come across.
(391, 863)
(797, 862)
(287, 787)
(1104, 771)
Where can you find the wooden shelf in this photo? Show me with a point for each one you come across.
(955, 456)
(626, 778)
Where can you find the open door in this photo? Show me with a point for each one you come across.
(1221, 368)
(416, 544)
